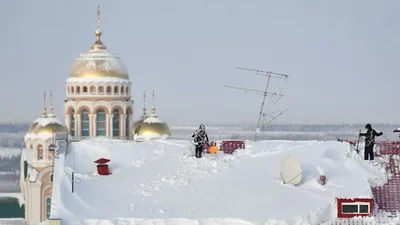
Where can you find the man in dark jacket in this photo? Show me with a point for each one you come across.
(200, 138)
(369, 141)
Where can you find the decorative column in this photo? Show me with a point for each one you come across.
(68, 122)
(122, 125)
(107, 125)
(45, 152)
(130, 120)
(78, 125)
(36, 200)
(93, 126)
(111, 127)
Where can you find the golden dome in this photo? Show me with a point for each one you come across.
(136, 125)
(98, 62)
(152, 126)
(50, 128)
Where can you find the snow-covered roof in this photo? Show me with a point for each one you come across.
(153, 119)
(46, 121)
(97, 80)
(39, 136)
(161, 179)
(150, 136)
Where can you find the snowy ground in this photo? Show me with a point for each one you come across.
(160, 180)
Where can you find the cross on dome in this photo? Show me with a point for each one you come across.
(51, 110)
(44, 111)
(153, 108)
(144, 105)
(98, 44)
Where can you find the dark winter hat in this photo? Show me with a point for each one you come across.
(202, 127)
(368, 126)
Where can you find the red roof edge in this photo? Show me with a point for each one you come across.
(102, 161)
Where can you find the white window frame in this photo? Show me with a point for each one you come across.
(358, 207)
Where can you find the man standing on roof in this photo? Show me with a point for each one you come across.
(200, 138)
(369, 141)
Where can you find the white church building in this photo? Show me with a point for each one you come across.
(98, 103)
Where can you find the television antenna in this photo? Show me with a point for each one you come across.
(263, 113)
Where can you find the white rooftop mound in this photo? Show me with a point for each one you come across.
(161, 182)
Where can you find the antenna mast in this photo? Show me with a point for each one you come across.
(265, 93)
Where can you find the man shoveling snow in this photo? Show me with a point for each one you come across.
(200, 138)
(369, 141)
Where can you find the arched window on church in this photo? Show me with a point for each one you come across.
(72, 119)
(85, 130)
(116, 123)
(100, 123)
(39, 152)
(48, 207)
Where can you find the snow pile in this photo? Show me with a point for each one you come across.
(150, 136)
(381, 174)
(162, 182)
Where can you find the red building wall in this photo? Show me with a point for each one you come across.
(228, 147)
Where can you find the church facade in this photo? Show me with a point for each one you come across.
(98, 103)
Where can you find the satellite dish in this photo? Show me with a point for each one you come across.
(291, 171)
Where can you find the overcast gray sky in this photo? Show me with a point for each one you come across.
(341, 56)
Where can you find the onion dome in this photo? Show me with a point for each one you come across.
(98, 62)
(152, 127)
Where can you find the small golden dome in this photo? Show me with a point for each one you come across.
(136, 125)
(32, 127)
(153, 126)
(50, 128)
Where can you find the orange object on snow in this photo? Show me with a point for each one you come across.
(213, 149)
